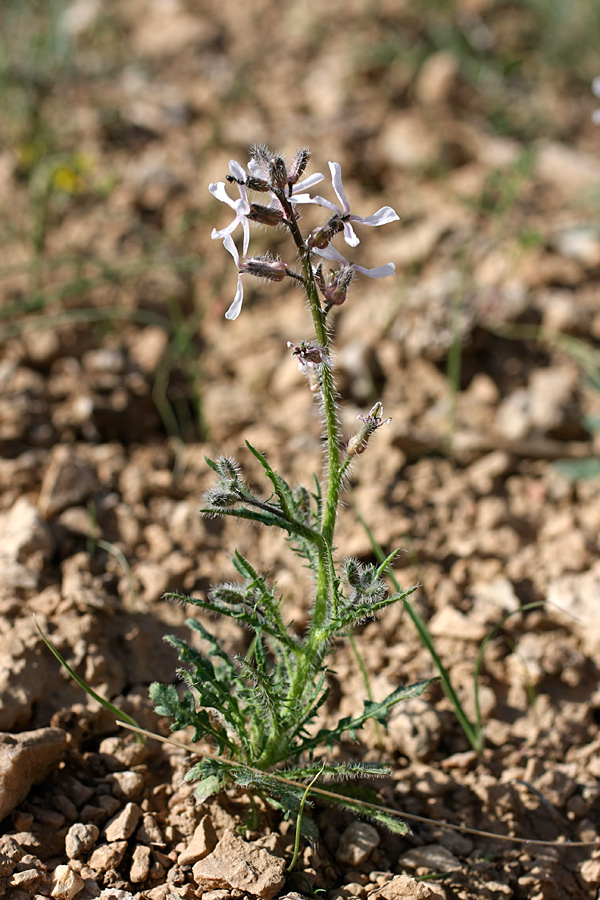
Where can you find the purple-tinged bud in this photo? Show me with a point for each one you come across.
(335, 292)
(299, 164)
(358, 442)
(278, 173)
(266, 215)
(320, 237)
(265, 267)
(309, 354)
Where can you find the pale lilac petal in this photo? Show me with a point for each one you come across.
(596, 86)
(329, 252)
(236, 170)
(308, 183)
(229, 245)
(218, 190)
(382, 217)
(350, 235)
(378, 271)
(320, 200)
(336, 180)
(236, 307)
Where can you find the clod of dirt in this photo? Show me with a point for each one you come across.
(357, 843)
(404, 888)
(235, 864)
(26, 759)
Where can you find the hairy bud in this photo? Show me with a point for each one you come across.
(299, 164)
(265, 267)
(266, 215)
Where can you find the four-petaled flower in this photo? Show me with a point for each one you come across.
(260, 266)
(343, 217)
(241, 207)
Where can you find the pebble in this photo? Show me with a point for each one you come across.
(357, 843)
(124, 823)
(234, 863)
(203, 842)
(26, 759)
(140, 864)
(80, 838)
(107, 856)
(433, 856)
(127, 785)
(66, 883)
(27, 880)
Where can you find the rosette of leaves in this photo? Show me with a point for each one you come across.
(259, 710)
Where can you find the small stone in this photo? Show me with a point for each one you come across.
(27, 880)
(590, 871)
(163, 892)
(140, 864)
(107, 856)
(402, 887)
(26, 759)
(236, 864)
(127, 750)
(68, 482)
(128, 785)
(80, 838)
(124, 823)
(203, 842)
(357, 843)
(149, 832)
(66, 883)
(433, 856)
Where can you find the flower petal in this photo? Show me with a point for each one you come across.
(381, 217)
(329, 252)
(378, 271)
(236, 170)
(350, 235)
(236, 307)
(336, 180)
(229, 245)
(217, 189)
(308, 183)
(596, 86)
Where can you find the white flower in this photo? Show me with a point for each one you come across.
(378, 272)
(241, 207)
(381, 217)
(596, 91)
(236, 307)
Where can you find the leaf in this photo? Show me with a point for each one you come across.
(280, 485)
(378, 711)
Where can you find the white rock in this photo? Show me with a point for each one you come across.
(66, 883)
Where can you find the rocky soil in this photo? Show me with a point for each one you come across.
(118, 373)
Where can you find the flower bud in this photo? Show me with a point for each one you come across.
(265, 267)
(278, 173)
(320, 237)
(266, 215)
(299, 164)
(335, 292)
(358, 442)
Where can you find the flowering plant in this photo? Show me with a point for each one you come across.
(258, 709)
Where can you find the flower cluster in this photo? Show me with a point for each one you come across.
(267, 174)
